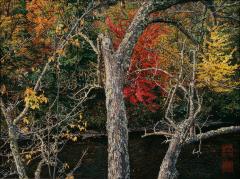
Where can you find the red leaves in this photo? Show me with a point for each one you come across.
(144, 84)
(141, 91)
(116, 28)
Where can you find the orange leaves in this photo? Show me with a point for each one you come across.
(42, 14)
(41, 25)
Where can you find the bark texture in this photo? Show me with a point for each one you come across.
(13, 137)
(116, 66)
(15, 151)
(118, 158)
(213, 133)
(168, 167)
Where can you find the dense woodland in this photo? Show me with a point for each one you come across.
(75, 68)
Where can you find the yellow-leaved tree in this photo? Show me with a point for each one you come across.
(216, 71)
(32, 100)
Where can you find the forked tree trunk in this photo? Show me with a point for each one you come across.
(168, 167)
(118, 158)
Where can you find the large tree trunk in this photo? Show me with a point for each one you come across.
(168, 167)
(118, 158)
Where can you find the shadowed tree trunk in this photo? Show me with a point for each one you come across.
(168, 167)
(13, 136)
(15, 151)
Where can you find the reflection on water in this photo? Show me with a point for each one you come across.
(227, 158)
(219, 158)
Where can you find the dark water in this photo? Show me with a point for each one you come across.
(219, 159)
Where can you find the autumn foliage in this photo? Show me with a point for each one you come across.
(145, 78)
(216, 71)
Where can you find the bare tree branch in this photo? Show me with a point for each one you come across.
(178, 25)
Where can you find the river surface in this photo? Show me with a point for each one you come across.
(219, 158)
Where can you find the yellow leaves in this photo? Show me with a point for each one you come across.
(59, 29)
(82, 22)
(80, 115)
(3, 89)
(82, 129)
(76, 43)
(61, 52)
(24, 129)
(16, 39)
(25, 125)
(78, 127)
(70, 177)
(28, 156)
(216, 76)
(69, 136)
(5, 24)
(32, 100)
(72, 125)
(74, 139)
(26, 121)
(42, 99)
(51, 59)
(215, 70)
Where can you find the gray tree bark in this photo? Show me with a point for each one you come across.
(118, 158)
(15, 152)
(168, 167)
(13, 136)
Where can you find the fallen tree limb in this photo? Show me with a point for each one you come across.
(214, 133)
(202, 136)
(162, 133)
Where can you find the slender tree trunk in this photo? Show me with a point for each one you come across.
(118, 158)
(15, 151)
(168, 167)
(192, 131)
(37, 173)
(12, 135)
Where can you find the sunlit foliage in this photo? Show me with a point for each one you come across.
(216, 71)
(32, 100)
